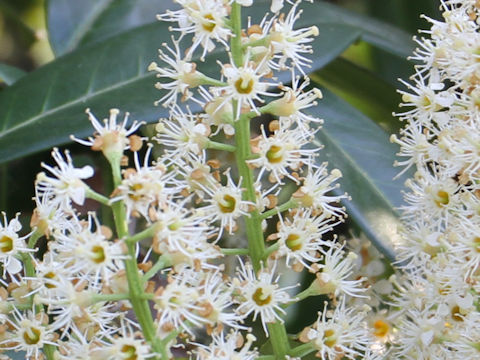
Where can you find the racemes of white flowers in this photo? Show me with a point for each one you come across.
(145, 275)
(440, 243)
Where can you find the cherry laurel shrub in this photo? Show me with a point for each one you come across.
(206, 231)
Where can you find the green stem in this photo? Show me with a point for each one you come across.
(162, 262)
(32, 241)
(140, 305)
(305, 294)
(49, 351)
(147, 233)
(279, 339)
(290, 204)
(259, 42)
(110, 297)
(302, 350)
(236, 41)
(91, 194)
(219, 146)
(235, 251)
(271, 249)
(206, 80)
(253, 222)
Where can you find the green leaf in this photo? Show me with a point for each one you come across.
(363, 89)
(109, 74)
(375, 32)
(68, 21)
(362, 151)
(10, 74)
(72, 23)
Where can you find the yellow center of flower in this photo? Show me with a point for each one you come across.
(456, 314)
(174, 226)
(476, 243)
(97, 254)
(128, 352)
(6, 244)
(329, 338)
(135, 188)
(381, 328)
(227, 204)
(442, 198)
(275, 154)
(31, 336)
(294, 242)
(260, 298)
(209, 23)
(49, 275)
(244, 85)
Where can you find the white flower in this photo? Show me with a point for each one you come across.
(315, 191)
(30, 334)
(122, 345)
(206, 19)
(276, 6)
(87, 254)
(244, 86)
(261, 295)
(216, 302)
(432, 197)
(300, 238)
(146, 186)
(182, 72)
(66, 183)
(11, 246)
(335, 275)
(69, 303)
(281, 153)
(184, 134)
(427, 99)
(289, 107)
(288, 43)
(111, 138)
(341, 333)
(225, 204)
(230, 347)
(177, 302)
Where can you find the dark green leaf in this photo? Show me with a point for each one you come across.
(10, 74)
(71, 22)
(101, 76)
(375, 32)
(68, 21)
(362, 151)
(363, 89)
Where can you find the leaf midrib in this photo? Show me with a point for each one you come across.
(74, 102)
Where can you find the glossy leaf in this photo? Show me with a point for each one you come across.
(364, 90)
(72, 23)
(375, 32)
(362, 151)
(10, 74)
(105, 75)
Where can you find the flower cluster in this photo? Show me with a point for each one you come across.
(438, 293)
(165, 273)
